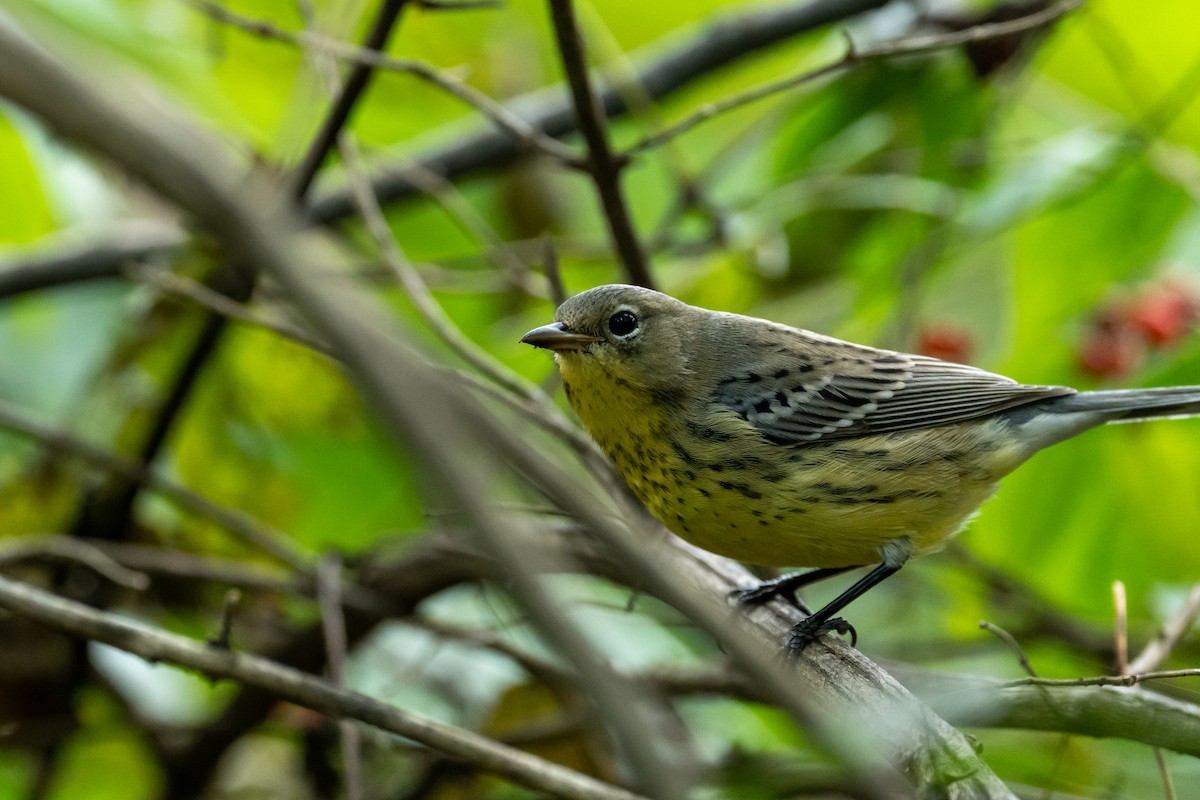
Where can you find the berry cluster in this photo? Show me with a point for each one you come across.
(1127, 330)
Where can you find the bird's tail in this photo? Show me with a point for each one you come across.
(1132, 405)
(1046, 422)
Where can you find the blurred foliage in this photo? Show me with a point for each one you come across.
(897, 198)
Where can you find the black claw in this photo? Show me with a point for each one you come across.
(767, 591)
(804, 632)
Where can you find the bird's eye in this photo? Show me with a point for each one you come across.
(623, 323)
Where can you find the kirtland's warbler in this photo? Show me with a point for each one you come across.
(778, 446)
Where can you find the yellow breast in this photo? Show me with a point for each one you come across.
(709, 477)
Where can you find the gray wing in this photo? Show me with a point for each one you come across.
(818, 389)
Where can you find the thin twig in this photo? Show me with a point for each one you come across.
(1165, 773)
(252, 532)
(169, 282)
(1131, 679)
(63, 259)
(15, 550)
(620, 73)
(346, 98)
(533, 405)
(519, 394)
(1008, 639)
(551, 673)
(230, 603)
(333, 629)
(470, 220)
(552, 269)
(1174, 629)
(545, 415)
(912, 45)
(414, 287)
(603, 165)
(497, 113)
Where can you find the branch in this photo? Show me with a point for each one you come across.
(305, 690)
(1085, 708)
(511, 126)
(1132, 679)
(436, 563)
(912, 45)
(66, 261)
(604, 168)
(217, 303)
(661, 74)
(257, 535)
(14, 550)
(333, 628)
(1169, 635)
(353, 88)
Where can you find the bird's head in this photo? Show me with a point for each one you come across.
(632, 333)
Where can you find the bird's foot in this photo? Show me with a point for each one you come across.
(783, 587)
(805, 632)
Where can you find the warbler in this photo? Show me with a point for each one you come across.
(778, 446)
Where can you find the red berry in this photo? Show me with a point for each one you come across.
(1112, 351)
(1164, 314)
(946, 342)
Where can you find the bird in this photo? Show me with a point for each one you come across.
(781, 447)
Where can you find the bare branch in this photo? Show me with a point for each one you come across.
(67, 260)
(333, 627)
(511, 124)
(156, 645)
(346, 98)
(1132, 679)
(198, 293)
(660, 74)
(270, 541)
(912, 45)
(14, 550)
(1132, 714)
(603, 166)
(1012, 645)
(1174, 629)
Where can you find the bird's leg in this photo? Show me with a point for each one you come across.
(808, 630)
(784, 586)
